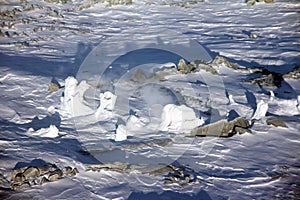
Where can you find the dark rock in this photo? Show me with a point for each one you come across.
(219, 60)
(116, 166)
(252, 2)
(276, 122)
(221, 128)
(32, 175)
(195, 66)
(266, 78)
(55, 175)
(53, 87)
(183, 67)
(139, 76)
(295, 74)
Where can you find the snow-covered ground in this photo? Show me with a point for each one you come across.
(112, 112)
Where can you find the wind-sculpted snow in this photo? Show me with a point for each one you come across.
(149, 99)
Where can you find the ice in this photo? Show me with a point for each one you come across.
(107, 104)
(179, 118)
(73, 104)
(261, 110)
(134, 123)
(231, 100)
(69, 93)
(51, 132)
(51, 109)
(121, 133)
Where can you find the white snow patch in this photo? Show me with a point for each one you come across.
(73, 101)
(179, 118)
(50, 132)
(261, 110)
(121, 133)
(231, 100)
(51, 109)
(69, 93)
(107, 104)
(134, 123)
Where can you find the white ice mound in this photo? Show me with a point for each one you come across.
(50, 132)
(179, 118)
(261, 110)
(134, 123)
(121, 133)
(69, 93)
(73, 100)
(107, 104)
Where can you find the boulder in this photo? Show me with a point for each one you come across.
(139, 76)
(222, 128)
(221, 61)
(276, 122)
(32, 175)
(295, 74)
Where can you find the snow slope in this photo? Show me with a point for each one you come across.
(48, 42)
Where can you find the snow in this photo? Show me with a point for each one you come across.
(179, 118)
(90, 49)
(121, 133)
(261, 110)
(107, 103)
(50, 132)
(69, 93)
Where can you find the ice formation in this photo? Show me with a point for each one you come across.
(69, 93)
(73, 100)
(179, 118)
(121, 133)
(50, 132)
(261, 110)
(231, 100)
(134, 123)
(107, 104)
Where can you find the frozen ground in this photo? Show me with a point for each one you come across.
(42, 41)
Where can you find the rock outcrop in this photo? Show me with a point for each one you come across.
(295, 74)
(276, 122)
(253, 2)
(222, 128)
(37, 175)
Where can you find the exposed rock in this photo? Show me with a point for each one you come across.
(53, 87)
(55, 175)
(32, 175)
(183, 67)
(195, 66)
(276, 122)
(266, 79)
(181, 175)
(253, 36)
(219, 61)
(139, 76)
(295, 74)
(222, 128)
(252, 2)
(54, 13)
(117, 2)
(199, 65)
(173, 174)
(58, 1)
(116, 167)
